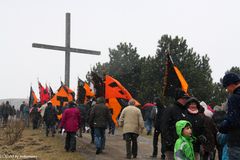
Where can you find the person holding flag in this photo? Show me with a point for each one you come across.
(171, 115)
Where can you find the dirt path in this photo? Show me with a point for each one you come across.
(34, 145)
(115, 147)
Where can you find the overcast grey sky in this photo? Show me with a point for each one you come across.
(211, 27)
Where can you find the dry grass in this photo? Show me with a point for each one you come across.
(35, 146)
(13, 132)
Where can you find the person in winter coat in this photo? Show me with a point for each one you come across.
(146, 112)
(82, 109)
(22, 106)
(171, 115)
(222, 141)
(194, 117)
(25, 114)
(231, 125)
(111, 124)
(90, 107)
(210, 132)
(35, 114)
(183, 149)
(1, 113)
(218, 117)
(6, 112)
(50, 118)
(132, 122)
(71, 122)
(100, 118)
(157, 114)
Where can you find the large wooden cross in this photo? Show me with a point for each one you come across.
(67, 50)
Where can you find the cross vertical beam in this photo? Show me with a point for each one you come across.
(67, 52)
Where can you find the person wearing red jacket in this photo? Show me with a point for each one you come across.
(71, 122)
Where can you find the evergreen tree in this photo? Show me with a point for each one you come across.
(194, 68)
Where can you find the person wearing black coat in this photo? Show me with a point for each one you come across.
(82, 109)
(231, 125)
(99, 119)
(171, 115)
(50, 118)
(6, 112)
(196, 119)
(157, 114)
(208, 151)
(35, 114)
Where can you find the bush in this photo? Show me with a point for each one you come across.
(13, 132)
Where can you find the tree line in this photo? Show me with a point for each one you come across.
(143, 76)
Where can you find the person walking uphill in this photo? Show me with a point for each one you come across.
(6, 112)
(157, 114)
(99, 118)
(231, 125)
(171, 115)
(183, 149)
(71, 122)
(50, 118)
(35, 114)
(132, 122)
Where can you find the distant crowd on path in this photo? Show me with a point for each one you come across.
(188, 129)
(6, 112)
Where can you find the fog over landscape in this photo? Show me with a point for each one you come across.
(210, 27)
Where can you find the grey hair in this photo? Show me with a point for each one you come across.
(131, 102)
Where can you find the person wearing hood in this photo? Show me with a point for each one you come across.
(183, 149)
(171, 115)
(231, 125)
(194, 117)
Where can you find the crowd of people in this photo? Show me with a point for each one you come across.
(188, 129)
(6, 112)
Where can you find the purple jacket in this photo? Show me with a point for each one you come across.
(71, 119)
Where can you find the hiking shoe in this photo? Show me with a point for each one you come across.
(98, 151)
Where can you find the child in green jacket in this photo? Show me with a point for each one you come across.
(183, 149)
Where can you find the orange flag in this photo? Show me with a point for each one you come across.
(173, 79)
(116, 95)
(61, 98)
(32, 98)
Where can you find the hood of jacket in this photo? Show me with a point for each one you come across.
(180, 125)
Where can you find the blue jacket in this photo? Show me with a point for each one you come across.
(231, 125)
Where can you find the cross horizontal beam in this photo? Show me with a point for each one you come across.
(76, 50)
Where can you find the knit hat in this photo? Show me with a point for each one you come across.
(230, 78)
